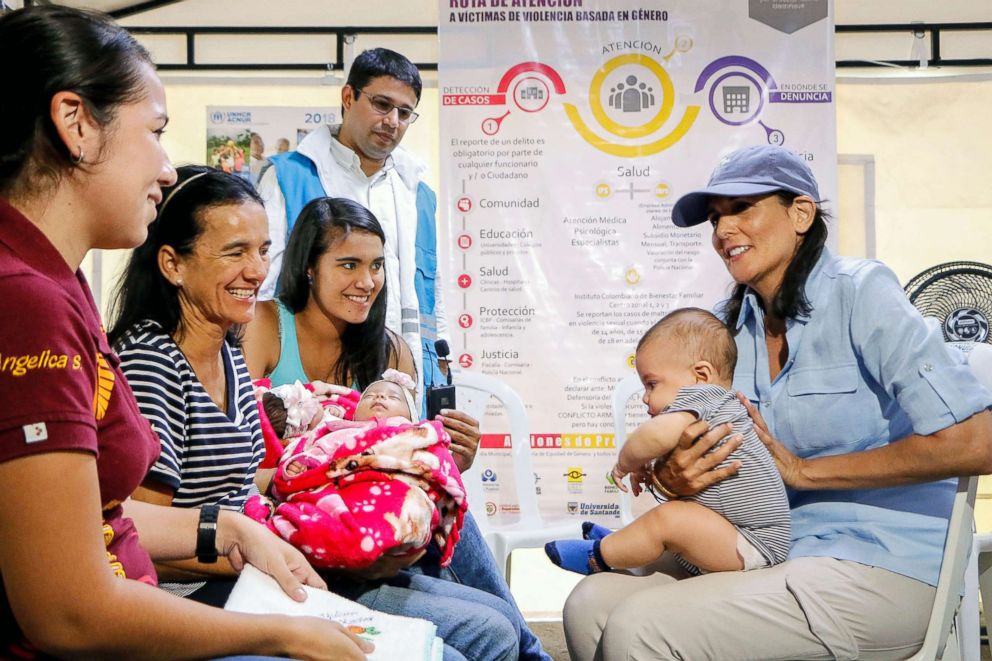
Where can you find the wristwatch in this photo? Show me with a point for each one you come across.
(206, 534)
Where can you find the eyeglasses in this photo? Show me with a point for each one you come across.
(384, 106)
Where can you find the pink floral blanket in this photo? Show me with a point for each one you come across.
(348, 492)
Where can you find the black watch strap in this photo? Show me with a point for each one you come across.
(206, 534)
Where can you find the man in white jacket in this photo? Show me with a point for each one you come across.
(360, 159)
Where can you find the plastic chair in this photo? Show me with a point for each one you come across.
(980, 568)
(622, 392)
(530, 531)
(948, 637)
(943, 637)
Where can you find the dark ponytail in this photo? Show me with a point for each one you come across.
(50, 49)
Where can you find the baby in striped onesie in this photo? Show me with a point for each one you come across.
(686, 363)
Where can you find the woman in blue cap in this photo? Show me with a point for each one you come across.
(867, 416)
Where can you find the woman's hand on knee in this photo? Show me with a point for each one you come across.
(244, 541)
(689, 469)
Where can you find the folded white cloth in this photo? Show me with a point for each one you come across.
(394, 637)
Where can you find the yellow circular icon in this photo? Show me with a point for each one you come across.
(630, 361)
(662, 190)
(632, 276)
(667, 94)
(603, 190)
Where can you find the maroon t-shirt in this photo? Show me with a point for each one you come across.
(61, 389)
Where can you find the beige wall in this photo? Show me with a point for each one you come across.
(933, 158)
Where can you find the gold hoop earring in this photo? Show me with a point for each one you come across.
(76, 160)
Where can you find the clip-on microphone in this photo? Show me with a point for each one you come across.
(441, 397)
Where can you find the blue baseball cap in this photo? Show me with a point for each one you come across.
(749, 171)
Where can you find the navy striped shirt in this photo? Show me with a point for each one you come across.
(209, 456)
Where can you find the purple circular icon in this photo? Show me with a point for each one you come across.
(737, 98)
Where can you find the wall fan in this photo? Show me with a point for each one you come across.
(959, 296)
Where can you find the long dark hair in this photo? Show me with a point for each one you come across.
(365, 347)
(142, 292)
(790, 300)
(51, 49)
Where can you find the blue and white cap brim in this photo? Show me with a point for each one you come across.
(691, 208)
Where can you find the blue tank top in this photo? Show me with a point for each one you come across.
(289, 369)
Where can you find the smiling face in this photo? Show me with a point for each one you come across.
(757, 237)
(124, 174)
(370, 135)
(348, 277)
(382, 399)
(664, 368)
(229, 261)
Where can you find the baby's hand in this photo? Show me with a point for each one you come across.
(616, 476)
(294, 469)
(324, 389)
(639, 479)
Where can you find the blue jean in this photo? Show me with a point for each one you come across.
(473, 565)
(474, 625)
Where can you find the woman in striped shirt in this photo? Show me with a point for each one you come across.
(184, 295)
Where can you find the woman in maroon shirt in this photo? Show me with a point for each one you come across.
(81, 167)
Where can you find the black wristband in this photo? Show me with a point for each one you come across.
(206, 534)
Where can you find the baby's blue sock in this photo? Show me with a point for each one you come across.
(579, 555)
(592, 530)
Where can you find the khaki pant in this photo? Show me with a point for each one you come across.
(808, 608)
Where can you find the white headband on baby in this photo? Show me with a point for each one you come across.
(406, 384)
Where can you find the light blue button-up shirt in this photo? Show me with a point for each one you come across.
(863, 370)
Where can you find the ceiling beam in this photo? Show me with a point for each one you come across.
(141, 8)
(934, 59)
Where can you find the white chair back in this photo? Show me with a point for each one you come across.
(622, 392)
(941, 641)
(944, 633)
(473, 392)
(979, 360)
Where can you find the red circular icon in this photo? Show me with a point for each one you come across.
(464, 241)
(465, 320)
(464, 281)
(465, 360)
(464, 204)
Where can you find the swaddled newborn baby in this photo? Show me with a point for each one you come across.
(347, 492)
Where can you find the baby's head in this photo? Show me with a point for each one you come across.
(391, 396)
(291, 409)
(687, 347)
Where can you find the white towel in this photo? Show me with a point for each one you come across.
(394, 637)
